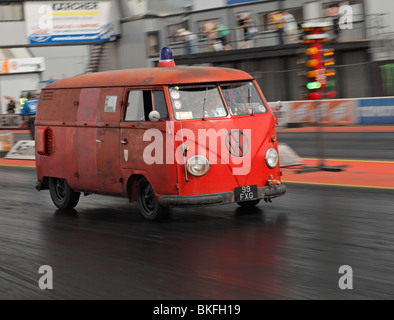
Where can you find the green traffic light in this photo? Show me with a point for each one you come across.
(331, 84)
(313, 85)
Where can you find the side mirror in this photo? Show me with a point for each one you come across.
(278, 106)
(154, 116)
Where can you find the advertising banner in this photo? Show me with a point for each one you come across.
(22, 65)
(376, 111)
(337, 112)
(50, 22)
(3, 66)
(301, 111)
(328, 112)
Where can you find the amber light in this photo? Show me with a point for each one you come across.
(274, 138)
(312, 63)
(312, 51)
(329, 62)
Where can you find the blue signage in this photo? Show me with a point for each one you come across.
(376, 111)
(229, 2)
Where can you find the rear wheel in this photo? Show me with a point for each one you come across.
(251, 203)
(62, 195)
(148, 204)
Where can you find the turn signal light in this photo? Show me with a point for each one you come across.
(274, 138)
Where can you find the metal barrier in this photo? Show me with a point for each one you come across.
(11, 121)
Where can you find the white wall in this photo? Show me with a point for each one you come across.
(382, 7)
(63, 61)
(131, 47)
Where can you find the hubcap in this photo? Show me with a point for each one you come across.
(60, 188)
(149, 199)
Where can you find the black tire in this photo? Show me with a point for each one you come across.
(148, 204)
(62, 195)
(251, 203)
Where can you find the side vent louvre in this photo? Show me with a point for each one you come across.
(48, 94)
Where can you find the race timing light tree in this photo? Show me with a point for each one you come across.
(318, 86)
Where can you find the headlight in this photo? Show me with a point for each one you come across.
(197, 166)
(271, 158)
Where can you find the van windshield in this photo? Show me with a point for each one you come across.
(242, 98)
(197, 102)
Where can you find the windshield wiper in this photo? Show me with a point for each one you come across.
(250, 101)
(203, 106)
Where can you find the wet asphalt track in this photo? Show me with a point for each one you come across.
(290, 249)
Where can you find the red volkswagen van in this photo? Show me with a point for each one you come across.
(164, 137)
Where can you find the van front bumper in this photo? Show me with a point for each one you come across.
(266, 193)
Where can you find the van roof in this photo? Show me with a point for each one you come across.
(152, 76)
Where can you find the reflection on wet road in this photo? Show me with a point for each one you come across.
(290, 249)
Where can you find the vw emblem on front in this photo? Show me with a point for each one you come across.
(237, 143)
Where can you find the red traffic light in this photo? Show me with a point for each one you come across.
(315, 96)
(331, 95)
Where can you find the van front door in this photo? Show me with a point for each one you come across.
(145, 144)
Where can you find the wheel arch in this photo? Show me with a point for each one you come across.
(132, 185)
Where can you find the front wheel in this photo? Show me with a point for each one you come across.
(62, 195)
(148, 204)
(250, 203)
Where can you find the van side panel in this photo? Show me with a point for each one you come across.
(108, 140)
(86, 139)
(57, 111)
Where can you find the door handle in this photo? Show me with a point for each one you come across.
(124, 141)
(99, 141)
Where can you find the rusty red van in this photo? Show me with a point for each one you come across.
(164, 137)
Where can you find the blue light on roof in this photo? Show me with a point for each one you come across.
(166, 54)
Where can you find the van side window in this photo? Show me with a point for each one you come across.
(135, 106)
(141, 102)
